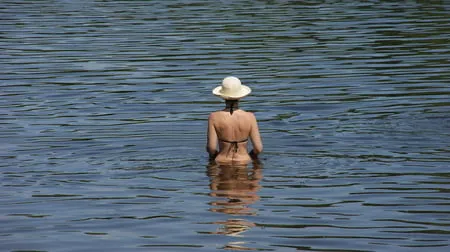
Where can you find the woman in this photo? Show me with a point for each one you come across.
(231, 127)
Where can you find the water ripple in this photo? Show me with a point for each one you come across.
(103, 107)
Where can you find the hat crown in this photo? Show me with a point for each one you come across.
(231, 89)
(231, 85)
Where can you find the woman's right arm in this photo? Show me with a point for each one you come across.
(256, 138)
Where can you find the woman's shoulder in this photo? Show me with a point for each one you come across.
(240, 111)
(214, 113)
(249, 114)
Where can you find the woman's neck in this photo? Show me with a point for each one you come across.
(232, 105)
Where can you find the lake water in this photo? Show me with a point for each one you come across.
(103, 109)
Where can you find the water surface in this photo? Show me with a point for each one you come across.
(103, 108)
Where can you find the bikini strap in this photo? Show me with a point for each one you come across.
(234, 143)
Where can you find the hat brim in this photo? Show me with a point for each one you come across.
(243, 92)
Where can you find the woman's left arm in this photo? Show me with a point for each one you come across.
(211, 141)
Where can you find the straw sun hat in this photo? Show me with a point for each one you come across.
(231, 89)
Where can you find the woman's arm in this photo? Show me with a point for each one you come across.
(256, 139)
(211, 141)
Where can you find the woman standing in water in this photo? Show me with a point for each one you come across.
(231, 127)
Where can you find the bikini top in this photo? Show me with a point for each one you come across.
(234, 143)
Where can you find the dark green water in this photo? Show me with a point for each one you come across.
(103, 108)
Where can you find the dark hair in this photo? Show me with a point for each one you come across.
(232, 105)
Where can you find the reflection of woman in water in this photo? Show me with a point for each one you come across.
(234, 189)
(237, 185)
(231, 127)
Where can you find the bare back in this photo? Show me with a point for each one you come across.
(232, 132)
